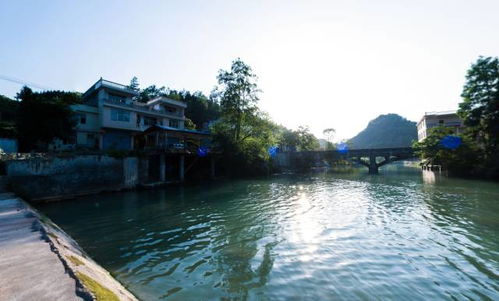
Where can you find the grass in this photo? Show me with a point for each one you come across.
(75, 260)
(100, 292)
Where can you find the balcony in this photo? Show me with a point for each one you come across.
(142, 108)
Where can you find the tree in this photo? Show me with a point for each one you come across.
(8, 116)
(134, 84)
(43, 116)
(188, 124)
(200, 109)
(329, 133)
(458, 157)
(288, 139)
(244, 133)
(250, 153)
(238, 94)
(480, 106)
(151, 92)
(306, 140)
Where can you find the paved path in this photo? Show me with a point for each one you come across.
(29, 270)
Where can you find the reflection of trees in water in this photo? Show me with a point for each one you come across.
(244, 256)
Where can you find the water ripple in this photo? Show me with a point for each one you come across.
(347, 237)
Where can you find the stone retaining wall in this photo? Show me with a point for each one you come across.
(38, 179)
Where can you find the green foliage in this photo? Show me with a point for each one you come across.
(480, 112)
(200, 109)
(238, 95)
(250, 153)
(8, 116)
(459, 161)
(306, 140)
(43, 116)
(188, 124)
(134, 84)
(299, 140)
(151, 92)
(390, 130)
(480, 106)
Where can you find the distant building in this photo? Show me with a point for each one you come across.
(109, 118)
(434, 119)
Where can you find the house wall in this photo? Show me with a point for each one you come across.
(92, 116)
(117, 140)
(107, 122)
(431, 121)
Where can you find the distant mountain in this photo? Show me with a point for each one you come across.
(390, 130)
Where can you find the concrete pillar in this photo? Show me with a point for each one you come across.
(212, 165)
(181, 168)
(373, 167)
(162, 167)
(101, 141)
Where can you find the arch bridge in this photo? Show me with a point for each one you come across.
(373, 158)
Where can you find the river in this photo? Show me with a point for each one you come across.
(401, 235)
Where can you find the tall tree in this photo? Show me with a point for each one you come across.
(329, 133)
(134, 84)
(43, 116)
(480, 106)
(238, 94)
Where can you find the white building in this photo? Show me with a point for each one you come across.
(434, 119)
(109, 118)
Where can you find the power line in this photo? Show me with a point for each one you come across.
(23, 82)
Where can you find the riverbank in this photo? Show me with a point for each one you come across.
(39, 261)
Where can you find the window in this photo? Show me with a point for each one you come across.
(441, 121)
(173, 123)
(120, 115)
(82, 118)
(117, 98)
(150, 121)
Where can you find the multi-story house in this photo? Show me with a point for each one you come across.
(109, 118)
(434, 119)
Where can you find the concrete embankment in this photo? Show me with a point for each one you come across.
(39, 261)
(52, 177)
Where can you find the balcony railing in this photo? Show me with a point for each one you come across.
(142, 108)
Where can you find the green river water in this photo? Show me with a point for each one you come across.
(402, 235)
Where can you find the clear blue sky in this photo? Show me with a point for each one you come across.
(320, 63)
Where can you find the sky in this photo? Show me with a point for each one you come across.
(323, 64)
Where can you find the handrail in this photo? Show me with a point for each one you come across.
(141, 107)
